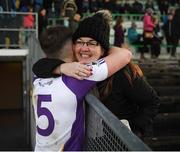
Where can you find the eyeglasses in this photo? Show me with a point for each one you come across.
(90, 43)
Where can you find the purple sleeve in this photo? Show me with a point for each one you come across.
(79, 87)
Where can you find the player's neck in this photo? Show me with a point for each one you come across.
(68, 59)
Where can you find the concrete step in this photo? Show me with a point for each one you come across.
(168, 143)
(156, 61)
(164, 82)
(167, 124)
(169, 104)
(163, 75)
(168, 90)
(160, 69)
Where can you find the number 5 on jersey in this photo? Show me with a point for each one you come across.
(45, 111)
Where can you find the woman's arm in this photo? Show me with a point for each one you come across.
(46, 67)
(117, 59)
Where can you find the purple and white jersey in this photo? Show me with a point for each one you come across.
(59, 113)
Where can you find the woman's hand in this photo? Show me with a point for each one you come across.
(74, 69)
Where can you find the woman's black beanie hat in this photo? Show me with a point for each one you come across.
(96, 27)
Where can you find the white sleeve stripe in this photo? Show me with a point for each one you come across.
(101, 62)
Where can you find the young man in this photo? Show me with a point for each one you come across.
(58, 102)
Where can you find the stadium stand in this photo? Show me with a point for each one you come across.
(164, 76)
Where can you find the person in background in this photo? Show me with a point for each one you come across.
(137, 8)
(176, 30)
(60, 99)
(149, 4)
(134, 37)
(119, 32)
(126, 94)
(163, 6)
(69, 9)
(93, 6)
(42, 20)
(37, 5)
(127, 7)
(85, 6)
(168, 32)
(148, 29)
(28, 23)
(157, 39)
(118, 7)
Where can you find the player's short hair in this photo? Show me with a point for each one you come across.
(54, 38)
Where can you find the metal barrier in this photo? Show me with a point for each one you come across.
(13, 32)
(105, 132)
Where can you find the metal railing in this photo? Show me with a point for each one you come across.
(13, 34)
(105, 132)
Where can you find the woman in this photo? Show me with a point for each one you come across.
(119, 32)
(148, 29)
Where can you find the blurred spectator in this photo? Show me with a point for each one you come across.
(171, 10)
(57, 4)
(134, 37)
(69, 9)
(127, 6)
(47, 4)
(118, 8)
(100, 4)
(108, 4)
(17, 5)
(148, 29)
(42, 20)
(157, 39)
(137, 7)
(168, 32)
(24, 5)
(37, 5)
(28, 20)
(163, 6)
(79, 6)
(149, 4)
(52, 12)
(85, 6)
(119, 32)
(28, 23)
(94, 6)
(176, 30)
